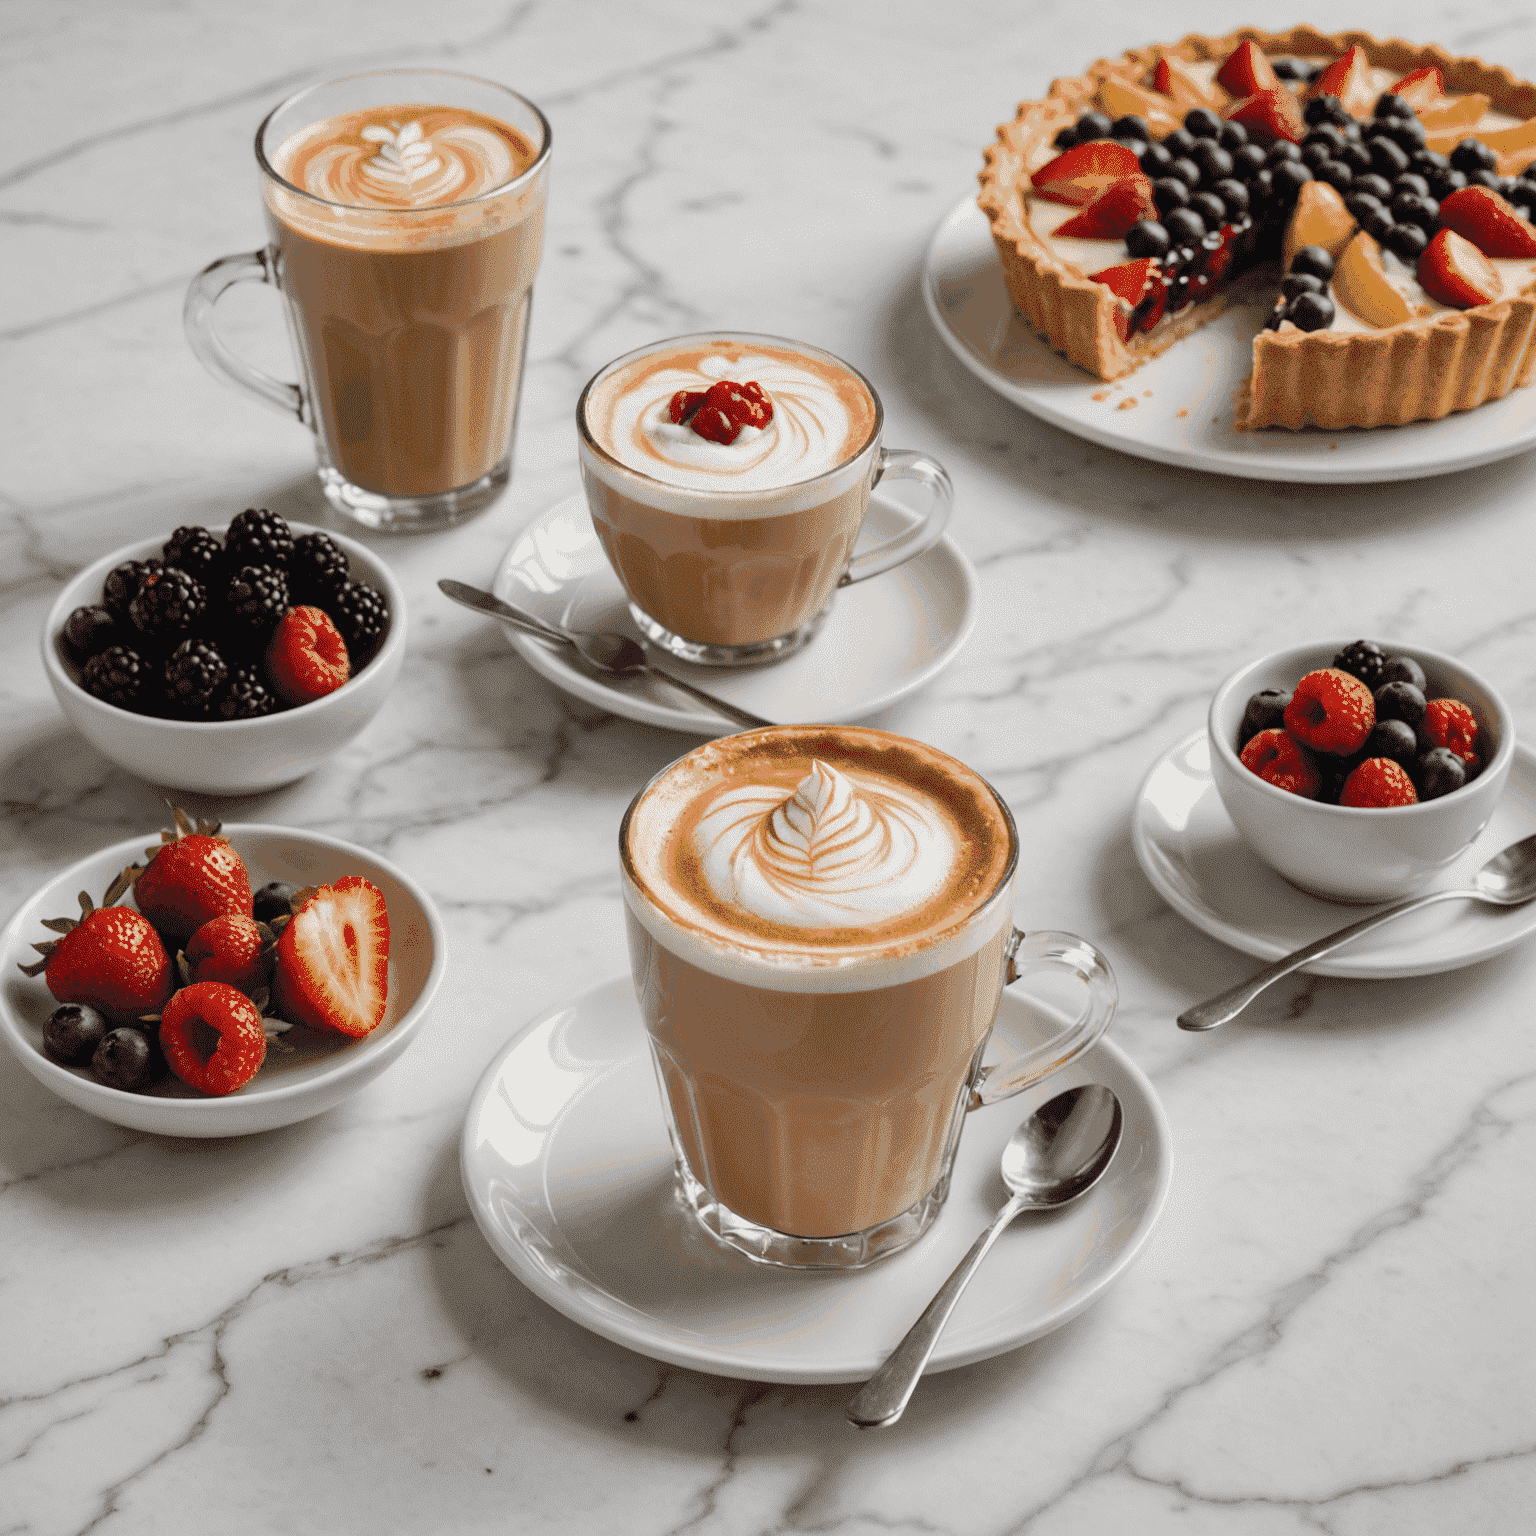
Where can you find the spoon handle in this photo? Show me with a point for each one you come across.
(1222, 1009)
(884, 1397)
(486, 602)
(719, 706)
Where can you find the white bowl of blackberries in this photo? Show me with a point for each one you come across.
(1359, 771)
(226, 661)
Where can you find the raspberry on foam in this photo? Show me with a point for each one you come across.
(1449, 723)
(1378, 783)
(1279, 760)
(1330, 711)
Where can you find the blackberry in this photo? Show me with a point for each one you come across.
(258, 537)
(362, 616)
(170, 602)
(317, 567)
(194, 676)
(118, 676)
(1362, 659)
(258, 597)
(88, 632)
(197, 552)
(123, 583)
(248, 697)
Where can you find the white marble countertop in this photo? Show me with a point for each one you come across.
(304, 1331)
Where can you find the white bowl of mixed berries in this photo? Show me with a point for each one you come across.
(1359, 771)
(231, 980)
(226, 661)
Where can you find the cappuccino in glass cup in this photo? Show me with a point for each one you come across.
(730, 545)
(820, 924)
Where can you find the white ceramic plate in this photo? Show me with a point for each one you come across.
(568, 1170)
(1188, 848)
(1181, 411)
(314, 1073)
(884, 638)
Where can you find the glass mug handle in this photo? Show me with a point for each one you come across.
(1048, 951)
(903, 464)
(203, 292)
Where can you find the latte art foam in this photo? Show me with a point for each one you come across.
(834, 854)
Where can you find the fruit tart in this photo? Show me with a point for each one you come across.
(1381, 192)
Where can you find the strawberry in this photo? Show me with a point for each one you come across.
(307, 658)
(110, 959)
(684, 403)
(1421, 87)
(1377, 784)
(234, 949)
(332, 969)
(194, 877)
(1129, 281)
(1270, 115)
(1349, 78)
(1112, 213)
(1177, 80)
(1084, 172)
(1453, 271)
(1490, 223)
(213, 1037)
(1247, 72)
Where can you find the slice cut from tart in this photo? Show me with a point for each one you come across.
(1136, 200)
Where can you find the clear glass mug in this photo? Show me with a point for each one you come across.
(409, 325)
(815, 1118)
(737, 578)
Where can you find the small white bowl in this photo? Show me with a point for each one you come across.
(226, 757)
(317, 1072)
(1349, 853)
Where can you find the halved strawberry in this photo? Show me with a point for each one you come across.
(1177, 80)
(307, 657)
(1111, 214)
(1490, 223)
(332, 969)
(1084, 172)
(1129, 281)
(1453, 271)
(1421, 87)
(1349, 78)
(1247, 72)
(1270, 115)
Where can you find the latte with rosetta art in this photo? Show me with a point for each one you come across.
(408, 156)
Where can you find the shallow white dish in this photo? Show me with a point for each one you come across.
(568, 1169)
(1199, 864)
(315, 1072)
(884, 638)
(1183, 400)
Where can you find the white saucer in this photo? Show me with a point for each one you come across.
(1183, 399)
(884, 638)
(1190, 851)
(567, 1167)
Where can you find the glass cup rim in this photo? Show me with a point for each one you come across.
(539, 160)
(725, 494)
(1004, 880)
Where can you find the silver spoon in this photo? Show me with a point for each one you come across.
(605, 651)
(1507, 880)
(1059, 1153)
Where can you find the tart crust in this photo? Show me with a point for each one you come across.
(1419, 370)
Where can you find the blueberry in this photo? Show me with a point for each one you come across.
(1180, 142)
(1137, 147)
(1131, 127)
(1473, 155)
(1395, 739)
(1406, 241)
(1410, 208)
(1186, 170)
(1357, 157)
(125, 1059)
(1282, 149)
(1215, 163)
(1439, 772)
(1210, 208)
(1313, 259)
(1203, 123)
(1411, 181)
(72, 1033)
(1400, 701)
(1490, 179)
(1286, 69)
(1294, 284)
(1316, 155)
(1233, 136)
(1406, 132)
(273, 900)
(1443, 183)
(1377, 223)
(1404, 669)
(1310, 312)
(1168, 193)
(1092, 125)
(1362, 205)
(1234, 194)
(1523, 195)
(1185, 226)
(1066, 138)
(1248, 160)
(1265, 712)
(1389, 157)
(1322, 109)
(1290, 177)
(1326, 134)
(1155, 159)
(1427, 160)
(1390, 104)
(1378, 186)
(1276, 317)
(1336, 173)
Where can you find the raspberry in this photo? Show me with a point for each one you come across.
(1449, 723)
(1280, 761)
(1331, 711)
(213, 1037)
(684, 403)
(711, 422)
(747, 405)
(1378, 782)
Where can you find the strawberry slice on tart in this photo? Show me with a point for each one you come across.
(1453, 271)
(1084, 172)
(1247, 72)
(1480, 215)
(1269, 116)
(1112, 213)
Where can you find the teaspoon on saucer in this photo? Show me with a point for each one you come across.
(1057, 1154)
(1508, 879)
(605, 651)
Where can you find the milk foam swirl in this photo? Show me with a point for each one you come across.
(837, 853)
(810, 433)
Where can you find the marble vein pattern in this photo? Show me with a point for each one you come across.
(304, 1331)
